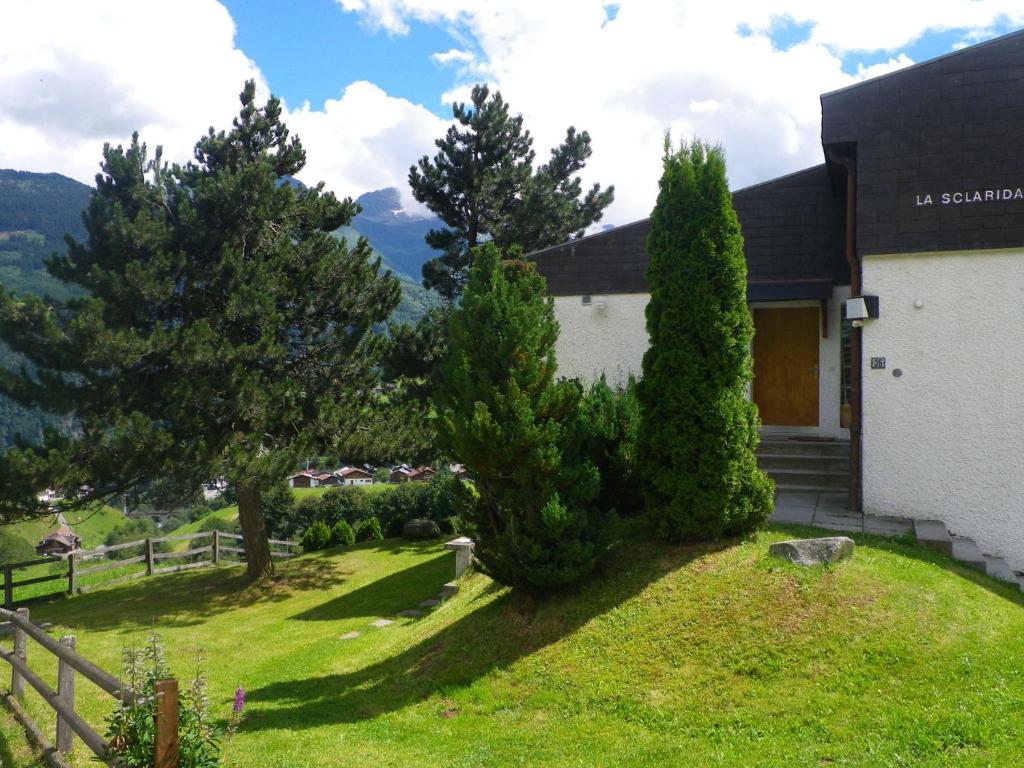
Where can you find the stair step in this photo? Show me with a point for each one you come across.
(801, 457)
(997, 568)
(931, 531)
(804, 448)
(806, 488)
(818, 463)
(967, 551)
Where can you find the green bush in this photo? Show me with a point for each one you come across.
(521, 434)
(698, 429)
(345, 503)
(612, 421)
(278, 506)
(342, 534)
(316, 536)
(368, 529)
(451, 525)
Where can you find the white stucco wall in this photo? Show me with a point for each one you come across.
(945, 440)
(613, 338)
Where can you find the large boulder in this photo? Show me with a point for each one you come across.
(822, 551)
(420, 528)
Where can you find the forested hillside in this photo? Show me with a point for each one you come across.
(38, 209)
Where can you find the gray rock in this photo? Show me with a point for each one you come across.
(381, 623)
(831, 549)
(420, 528)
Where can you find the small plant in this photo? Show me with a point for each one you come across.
(368, 529)
(130, 728)
(317, 536)
(342, 534)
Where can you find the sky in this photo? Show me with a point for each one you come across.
(368, 84)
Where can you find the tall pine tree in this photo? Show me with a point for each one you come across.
(520, 433)
(483, 186)
(225, 332)
(698, 428)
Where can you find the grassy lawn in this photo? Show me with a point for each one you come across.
(696, 656)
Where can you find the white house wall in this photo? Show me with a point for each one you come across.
(611, 338)
(945, 439)
(610, 335)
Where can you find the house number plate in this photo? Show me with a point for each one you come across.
(878, 363)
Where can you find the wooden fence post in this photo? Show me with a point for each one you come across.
(71, 573)
(149, 557)
(166, 724)
(8, 587)
(21, 651)
(66, 691)
(216, 547)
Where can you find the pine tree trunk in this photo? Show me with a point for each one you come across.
(259, 564)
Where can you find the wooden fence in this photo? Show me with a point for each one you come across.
(221, 549)
(62, 701)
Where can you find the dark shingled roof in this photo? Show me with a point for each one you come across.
(792, 228)
(951, 124)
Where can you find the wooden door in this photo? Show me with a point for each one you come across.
(786, 366)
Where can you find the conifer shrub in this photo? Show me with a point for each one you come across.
(316, 536)
(520, 434)
(342, 534)
(698, 430)
(612, 421)
(368, 529)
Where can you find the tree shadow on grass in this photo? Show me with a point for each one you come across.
(490, 638)
(387, 596)
(907, 546)
(188, 598)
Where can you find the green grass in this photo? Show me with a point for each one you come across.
(92, 525)
(695, 656)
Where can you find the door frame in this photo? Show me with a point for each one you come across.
(828, 369)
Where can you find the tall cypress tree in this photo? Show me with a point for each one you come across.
(483, 186)
(698, 430)
(518, 432)
(225, 331)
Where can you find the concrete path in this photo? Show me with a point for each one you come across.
(828, 510)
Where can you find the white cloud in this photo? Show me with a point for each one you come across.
(453, 55)
(364, 140)
(73, 75)
(683, 65)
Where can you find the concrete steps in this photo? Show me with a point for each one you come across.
(804, 465)
(812, 474)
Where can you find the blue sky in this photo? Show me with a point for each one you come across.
(310, 50)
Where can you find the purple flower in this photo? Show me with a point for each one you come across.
(239, 700)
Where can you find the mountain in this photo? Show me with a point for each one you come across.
(37, 209)
(394, 232)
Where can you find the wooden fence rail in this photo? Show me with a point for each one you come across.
(62, 701)
(72, 572)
